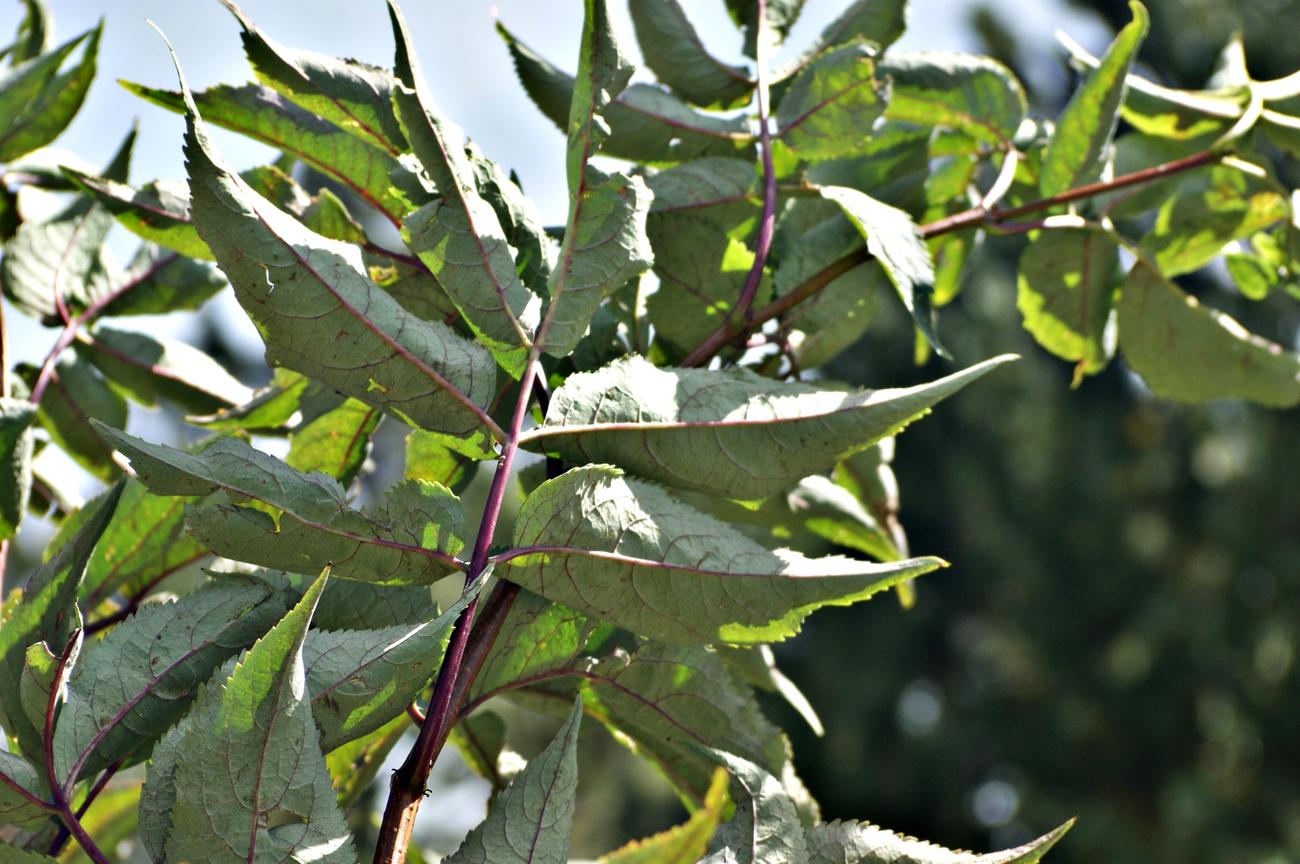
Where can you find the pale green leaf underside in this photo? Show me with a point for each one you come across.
(1189, 352)
(413, 540)
(864, 843)
(129, 687)
(893, 240)
(304, 291)
(733, 433)
(765, 827)
(626, 552)
(1087, 125)
(529, 823)
(16, 808)
(250, 781)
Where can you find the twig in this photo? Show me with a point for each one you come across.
(61, 839)
(728, 333)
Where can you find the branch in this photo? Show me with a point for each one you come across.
(767, 221)
(979, 216)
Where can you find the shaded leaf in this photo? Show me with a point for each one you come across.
(358, 680)
(350, 605)
(893, 240)
(626, 552)
(765, 827)
(481, 740)
(864, 843)
(16, 418)
(1087, 124)
(646, 123)
(413, 540)
(159, 791)
(756, 666)
(264, 115)
(354, 96)
(14, 855)
(335, 443)
(701, 272)
(75, 394)
(303, 290)
(975, 95)
(734, 433)
(131, 686)
(1065, 290)
(530, 821)
(831, 106)
(672, 49)
(150, 368)
(538, 640)
(1192, 353)
(20, 786)
(778, 19)
(22, 87)
(53, 108)
(47, 613)
(34, 34)
(250, 754)
(682, 844)
(716, 189)
(354, 766)
(157, 282)
(534, 252)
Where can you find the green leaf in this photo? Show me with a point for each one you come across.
(354, 96)
(131, 686)
(39, 677)
(335, 443)
(481, 740)
(893, 240)
(864, 843)
(46, 613)
(1086, 126)
(830, 107)
(538, 640)
(832, 512)
(159, 791)
(22, 88)
(413, 540)
(1254, 277)
(682, 844)
(1192, 353)
(34, 33)
(358, 680)
(14, 855)
(1065, 290)
(270, 409)
(458, 235)
(429, 460)
(1228, 202)
(880, 22)
(672, 49)
(530, 822)
(765, 828)
(349, 605)
(16, 418)
(701, 272)
(75, 394)
(158, 212)
(62, 258)
(53, 108)
(719, 190)
(264, 115)
(646, 123)
(20, 786)
(534, 252)
(149, 368)
(157, 282)
(303, 290)
(778, 19)
(625, 551)
(328, 216)
(354, 766)
(251, 783)
(732, 433)
(144, 542)
(755, 665)
(605, 241)
(668, 700)
(974, 95)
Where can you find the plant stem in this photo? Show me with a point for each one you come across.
(407, 789)
(767, 221)
(728, 332)
(61, 839)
